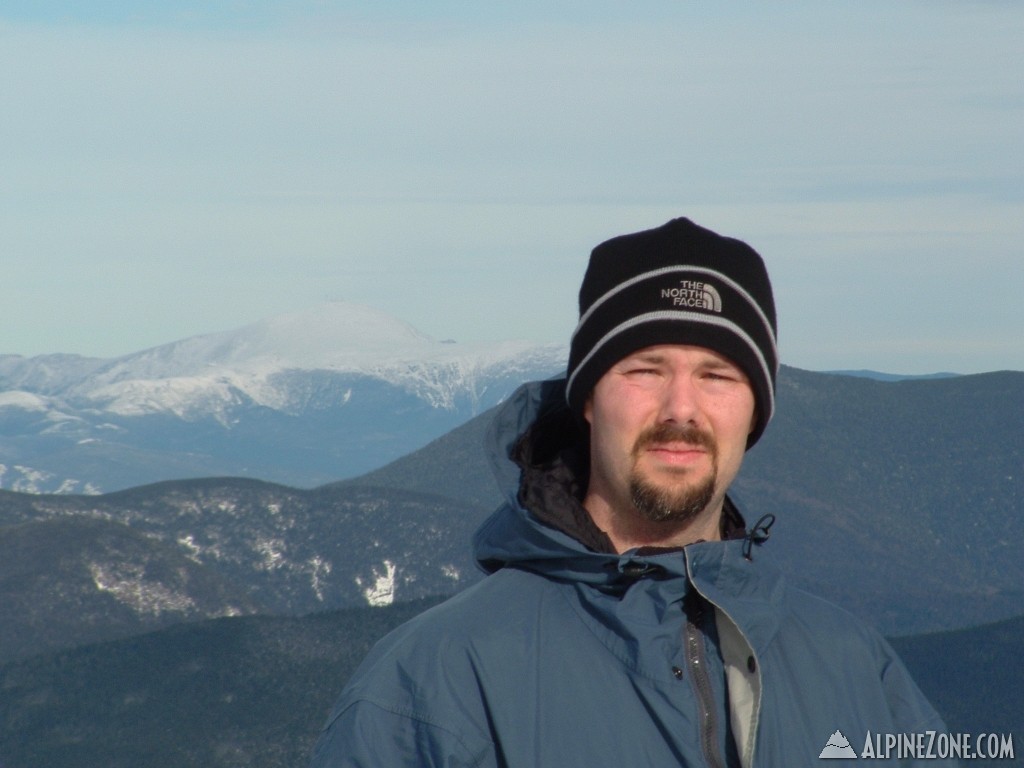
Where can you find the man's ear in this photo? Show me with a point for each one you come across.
(588, 409)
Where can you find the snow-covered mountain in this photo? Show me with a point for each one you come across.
(300, 399)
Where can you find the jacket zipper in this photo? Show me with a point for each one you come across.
(747, 755)
(696, 658)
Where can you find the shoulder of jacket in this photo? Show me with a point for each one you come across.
(827, 622)
(467, 618)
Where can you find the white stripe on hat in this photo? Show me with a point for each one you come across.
(690, 317)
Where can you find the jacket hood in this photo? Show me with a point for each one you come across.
(512, 535)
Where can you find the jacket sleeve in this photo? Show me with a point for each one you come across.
(912, 713)
(911, 710)
(364, 734)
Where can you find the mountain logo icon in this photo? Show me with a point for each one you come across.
(837, 748)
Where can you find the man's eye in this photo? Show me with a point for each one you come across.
(719, 376)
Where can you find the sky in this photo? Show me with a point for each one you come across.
(176, 169)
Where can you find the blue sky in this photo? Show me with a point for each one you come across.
(172, 169)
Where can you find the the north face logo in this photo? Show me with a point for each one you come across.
(693, 294)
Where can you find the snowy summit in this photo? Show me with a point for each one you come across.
(247, 364)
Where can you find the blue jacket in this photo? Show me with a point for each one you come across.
(569, 656)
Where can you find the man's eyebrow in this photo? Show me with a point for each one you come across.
(647, 357)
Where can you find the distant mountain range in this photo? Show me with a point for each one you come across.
(899, 500)
(301, 399)
(881, 376)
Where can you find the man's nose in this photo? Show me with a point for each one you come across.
(679, 403)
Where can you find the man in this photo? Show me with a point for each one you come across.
(629, 618)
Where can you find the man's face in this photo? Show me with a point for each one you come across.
(668, 430)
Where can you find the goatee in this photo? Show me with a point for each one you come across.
(675, 502)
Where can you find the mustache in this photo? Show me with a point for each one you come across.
(660, 434)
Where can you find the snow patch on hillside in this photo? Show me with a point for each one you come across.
(382, 590)
(128, 585)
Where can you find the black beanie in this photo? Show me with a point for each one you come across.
(677, 284)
